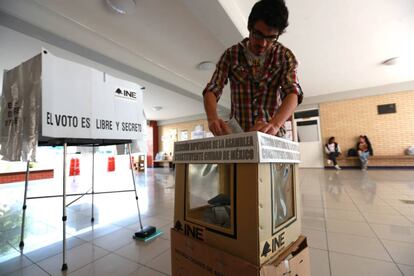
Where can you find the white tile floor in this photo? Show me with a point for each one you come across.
(356, 224)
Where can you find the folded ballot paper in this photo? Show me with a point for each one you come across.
(234, 126)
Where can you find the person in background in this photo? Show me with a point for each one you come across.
(333, 150)
(364, 149)
(262, 74)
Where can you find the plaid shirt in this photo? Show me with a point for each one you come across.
(253, 100)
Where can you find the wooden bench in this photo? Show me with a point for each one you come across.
(163, 163)
(378, 161)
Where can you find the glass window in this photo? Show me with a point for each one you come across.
(282, 193)
(210, 197)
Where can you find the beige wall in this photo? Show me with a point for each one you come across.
(390, 134)
(167, 145)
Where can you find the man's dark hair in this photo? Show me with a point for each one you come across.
(331, 139)
(273, 12)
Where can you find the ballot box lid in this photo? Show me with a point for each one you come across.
(248, 147)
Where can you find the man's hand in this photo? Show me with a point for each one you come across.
(285, 111)
(218, 127)
(215, 124)
(265, 127)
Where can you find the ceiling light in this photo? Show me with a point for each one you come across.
(122, 6)
(206, 65)
(391, 61)
(156, 108)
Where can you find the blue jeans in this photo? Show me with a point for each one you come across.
(363, 157)
(332, 156)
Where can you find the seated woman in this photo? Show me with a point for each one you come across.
(364, 151)
(333, 150)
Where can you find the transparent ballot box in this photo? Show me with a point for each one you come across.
(238, 193)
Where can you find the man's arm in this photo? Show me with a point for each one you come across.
(286, 110)
(216, 125)
(289, 104)
(212, 93)
(292, 95)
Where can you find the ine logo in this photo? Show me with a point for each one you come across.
(126, 94)
(277, 243)
(266, 249)
(190, 230)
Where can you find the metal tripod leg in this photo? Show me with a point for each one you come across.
(64, 217)
(93, 181)
(26, 183)
(135, 188)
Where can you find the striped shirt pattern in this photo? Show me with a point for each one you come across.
(253, 100)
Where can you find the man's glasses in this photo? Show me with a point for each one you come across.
(260, 36)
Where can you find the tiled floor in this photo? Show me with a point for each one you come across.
(356, 224)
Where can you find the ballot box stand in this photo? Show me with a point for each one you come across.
(193, 257)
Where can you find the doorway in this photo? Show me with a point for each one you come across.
(310, 141)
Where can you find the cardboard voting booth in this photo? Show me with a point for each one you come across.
(238, 193)
(48, 100)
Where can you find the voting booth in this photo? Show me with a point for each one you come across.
(48, 100)
(239, 194)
